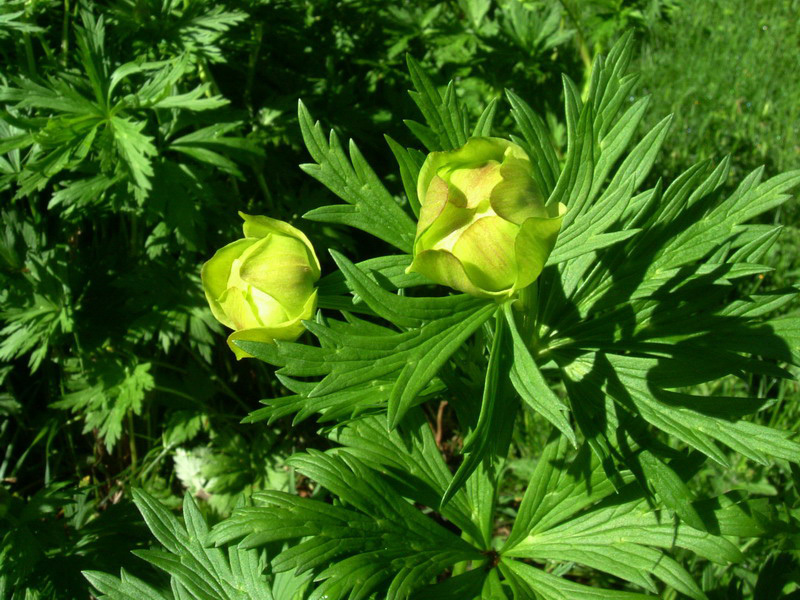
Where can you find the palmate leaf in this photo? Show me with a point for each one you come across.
(369, 206)
(382, 269)
(9, 24)
(530, 582)
(106, 394)
(572, 513)
(195, 570)
(649, 274)
(637, 303)
(536, 142)
(697, 421)
(410, 162)
(412, 463)
(408, 359)
(195, 29)
(531, 385)
(375, 540)
(41, 316)
(477, 584)
(393, 365)
(214, 145)
(623, 280)
(488, 440)
(672, 312)
(447, 127)
(95, 118)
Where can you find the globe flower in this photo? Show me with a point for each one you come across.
(483, 225)
(262, 286)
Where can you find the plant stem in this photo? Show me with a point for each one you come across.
(65, 35)
(583, 49)
(132, 443)
(528, 306)
(31, 61)
(262, 184)
(252, 63)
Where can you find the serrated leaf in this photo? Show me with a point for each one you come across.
(382, 537)
(497, 412)
(466, 586)
(126, 587)
(370, 206)
(405, 311)
(447, 124)
(135, 148)
(528, 582)
(411, 461)
(387, 271)
(671, 488)
(483, 128)
(203, 572)
(674, 415)
(536, 143)
(410, 161)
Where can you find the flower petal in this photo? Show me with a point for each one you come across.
(535, 241)
(476, 183)
(267, 309)
(443, 232)
(238, 305)
(517, 197)
(487, 250)
(215, 273)
(278, 265)
(287, 331)
(444, 268)
(260, 226)
(432, 203)
(476, 152)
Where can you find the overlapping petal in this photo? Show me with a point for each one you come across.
(288, 330)
(262, 286)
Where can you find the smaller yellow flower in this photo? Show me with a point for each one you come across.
(262, 286)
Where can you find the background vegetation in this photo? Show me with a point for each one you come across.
(133, 130)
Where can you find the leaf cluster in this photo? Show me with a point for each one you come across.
(651, 346)
(636, 308)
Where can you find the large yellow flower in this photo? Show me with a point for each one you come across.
(483, 226)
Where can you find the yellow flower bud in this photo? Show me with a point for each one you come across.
(262, 286)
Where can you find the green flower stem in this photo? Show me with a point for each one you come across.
(132, 442)
(252, 64)
(262, 185)
(206, 76)
(489, 441)
(528, 308)
(155, 462)
(583, 48)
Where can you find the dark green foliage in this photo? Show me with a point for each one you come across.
(49, 537)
